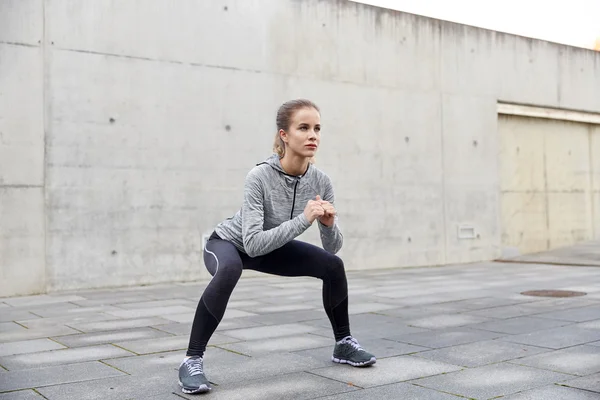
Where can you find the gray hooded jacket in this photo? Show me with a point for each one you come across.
(272, 212)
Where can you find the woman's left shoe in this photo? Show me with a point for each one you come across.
(349, 351)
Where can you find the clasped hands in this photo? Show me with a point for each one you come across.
(321, 210)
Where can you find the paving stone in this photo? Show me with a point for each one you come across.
(281, 308)
(57, 375)
(394, 391)
(170, 361)
(519, 325)
(590, 382)
(109, 300)
(156, 304)
(581, 314)
(21, 395)
(118, 388)
(28, 346)
(252, 368)
(165, 396)
(73, 319)
(381, 348)
(278, 345)
(444, 338)
(242, 304)
(385, 371)
(152, 312)
(367, 307)
(481, 353)
(67, 309)
(174, 328)
(446, 321)
(168, 343)
(116, 324)
(595, 324)
(553, 392)
(28, 301)
(231, 313)
(289, 317)
(106, 337)
(156, 345)
(66, 356)
(405, 313)
(579, 360)
(484, 303)
(237, 323)
(11, 327)
(40, 333)
(297, 386)
(8, 315)
(533, 308)
(556, 338)
(269, 331)
(492, 380)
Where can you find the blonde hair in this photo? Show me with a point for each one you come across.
(284, 119)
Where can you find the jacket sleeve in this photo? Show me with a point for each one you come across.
(257, 241)
(331, 237)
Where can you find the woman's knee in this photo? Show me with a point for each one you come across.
(335, 266)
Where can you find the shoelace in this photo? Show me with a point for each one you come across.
(354, 343)
(194, 366)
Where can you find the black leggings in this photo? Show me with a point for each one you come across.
(225, 263)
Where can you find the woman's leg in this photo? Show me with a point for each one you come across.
(298, 258)
(224, 263)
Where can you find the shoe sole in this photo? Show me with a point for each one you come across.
(201, 389)
(372, 361)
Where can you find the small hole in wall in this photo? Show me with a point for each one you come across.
(114, 252)
(112, 120)
(475, 143)
(409, 240)
(227, 128)
(225, 8)
(407, 139)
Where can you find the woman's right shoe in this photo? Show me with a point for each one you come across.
(349, 351)
(191, 376)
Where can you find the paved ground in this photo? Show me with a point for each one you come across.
(440, 333)
(587, 253)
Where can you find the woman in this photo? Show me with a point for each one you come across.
(283, 196)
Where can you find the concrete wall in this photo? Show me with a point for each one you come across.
(155, 110)
(22, 234)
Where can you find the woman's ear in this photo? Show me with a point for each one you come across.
(283, 135)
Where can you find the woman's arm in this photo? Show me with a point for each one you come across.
(257, 241)
(331, 236)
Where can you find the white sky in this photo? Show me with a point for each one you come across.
(572, 22)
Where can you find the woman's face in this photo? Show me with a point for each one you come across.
(304, 134)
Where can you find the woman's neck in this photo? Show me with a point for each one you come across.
(294, 165)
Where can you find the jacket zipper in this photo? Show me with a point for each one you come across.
(294, 200)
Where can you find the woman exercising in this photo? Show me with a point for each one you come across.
(283, 196)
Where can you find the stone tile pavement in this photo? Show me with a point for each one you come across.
(440, 333)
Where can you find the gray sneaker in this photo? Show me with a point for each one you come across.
(348, 351)
(191, 376)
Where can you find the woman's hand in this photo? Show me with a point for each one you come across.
(313, 210)
(329, 212)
